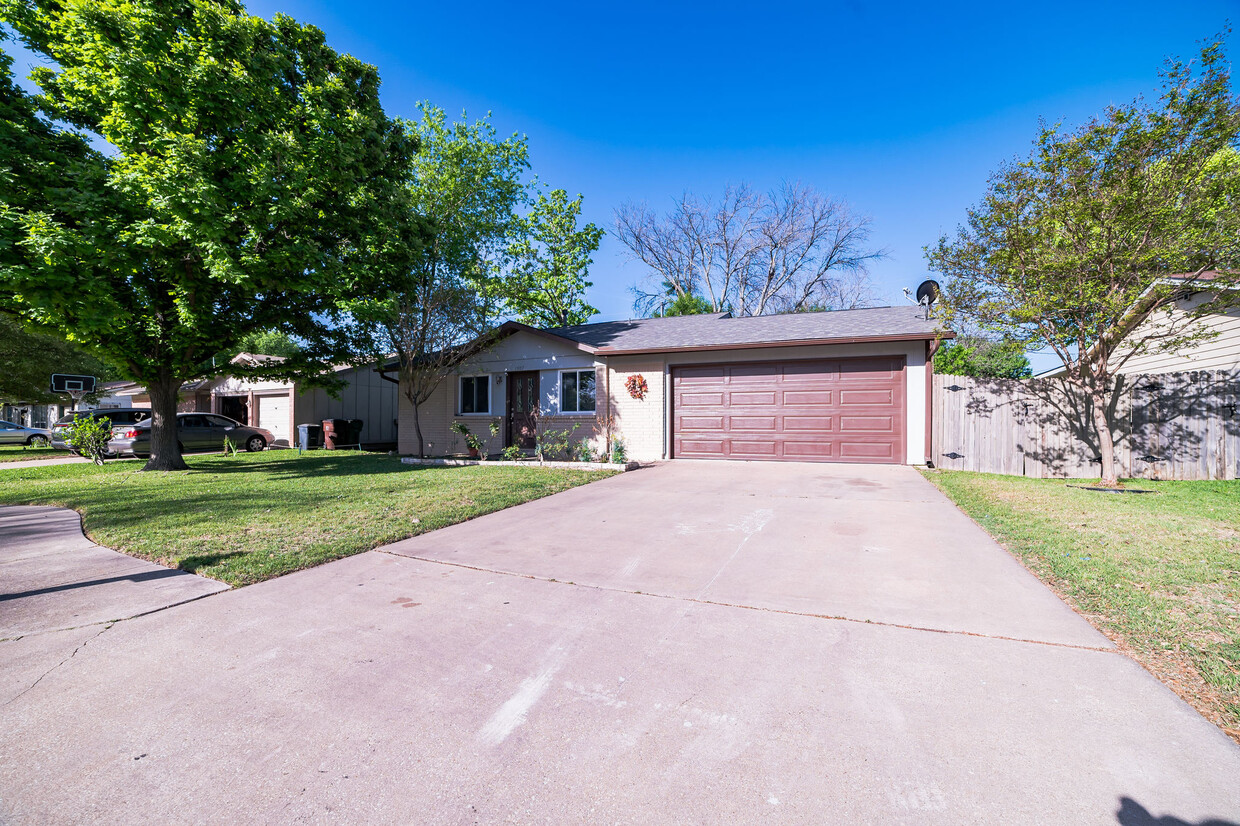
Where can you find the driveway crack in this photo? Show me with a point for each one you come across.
(699, 600)
(79, 647)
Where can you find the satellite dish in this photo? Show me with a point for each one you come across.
(928, 292)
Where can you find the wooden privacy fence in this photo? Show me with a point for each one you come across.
(1169, 426)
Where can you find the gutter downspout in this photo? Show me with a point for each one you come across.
(932, 347)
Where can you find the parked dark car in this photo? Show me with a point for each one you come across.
(12, 433)
(117, 416)
(195, 431)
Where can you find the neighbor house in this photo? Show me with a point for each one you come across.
(279, 405)
(1218, 349)
(843, 386)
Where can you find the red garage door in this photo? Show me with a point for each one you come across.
(838, 410)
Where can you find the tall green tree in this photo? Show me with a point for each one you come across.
(252, 181)
(444, 284)
(1071, 247)
(982, 358)
(28, 360)
(548, 279)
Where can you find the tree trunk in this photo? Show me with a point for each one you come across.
(165, 449)
(1106, 441)
(417, 429)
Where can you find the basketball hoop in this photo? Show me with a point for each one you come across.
(74, 386)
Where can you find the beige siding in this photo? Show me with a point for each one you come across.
(366, 396)
(1219, 352)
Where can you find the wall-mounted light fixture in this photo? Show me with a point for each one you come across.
(499, 378)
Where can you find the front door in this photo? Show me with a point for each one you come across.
(522, 409)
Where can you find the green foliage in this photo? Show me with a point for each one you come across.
(270, 343)
(584, 452)
(28, 359)
(686, 304)
(619, 454)
(1070, 248)
(554, 443)
(547, 283)
(252, 181)
(983, 359)
(473, 442)
(89, 436)
(230, 447)
(511, 453)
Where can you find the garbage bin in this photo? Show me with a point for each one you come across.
(335, 433)
(355, 433)
(309, 436)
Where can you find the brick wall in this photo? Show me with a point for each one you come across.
(639, 422)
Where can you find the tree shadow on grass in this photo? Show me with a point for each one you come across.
(296, 467)
(1132, 813)
(197, 562)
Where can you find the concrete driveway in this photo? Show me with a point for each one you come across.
(691, 643)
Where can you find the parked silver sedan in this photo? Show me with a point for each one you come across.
(195, 431)
(19, 434)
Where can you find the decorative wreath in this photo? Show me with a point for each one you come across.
(637, 386)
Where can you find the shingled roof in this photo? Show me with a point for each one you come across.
(721, 330)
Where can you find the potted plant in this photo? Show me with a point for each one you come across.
(471, 441)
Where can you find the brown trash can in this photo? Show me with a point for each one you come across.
(335, 432)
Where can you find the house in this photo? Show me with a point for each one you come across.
(1219, 351)
(279, 405)
(842, 386)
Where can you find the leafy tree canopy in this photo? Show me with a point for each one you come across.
(1071, 247)
(982, 359)
(270, 343)
(253, 182)
(548, 280)
(28, 360)
(685, 303)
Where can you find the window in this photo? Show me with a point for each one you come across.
(577, 391)
(475, 394)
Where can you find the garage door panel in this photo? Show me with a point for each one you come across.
(822, 424)
(753, 373)
(702, 423)
(867, 424)
(766, 423)
(701, 447)
(752, 399)
(877, 396)
(807, 398)
(809, 451)
(841, 410)
(741, 448)
(867, 451)
(702, 400)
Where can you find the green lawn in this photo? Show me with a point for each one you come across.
(254, 516)
(21, 453)
(1158, 573)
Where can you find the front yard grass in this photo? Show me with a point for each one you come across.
(255, 516)
(1157, 573)
(21, 453)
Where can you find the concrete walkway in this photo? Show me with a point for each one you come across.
(53, 578)
(691, 643)
(66, 460)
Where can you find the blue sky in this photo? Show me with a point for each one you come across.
(902, 109)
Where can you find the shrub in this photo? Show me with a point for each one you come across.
(89, 436)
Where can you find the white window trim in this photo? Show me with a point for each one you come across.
(490, 394)
(560, 411)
